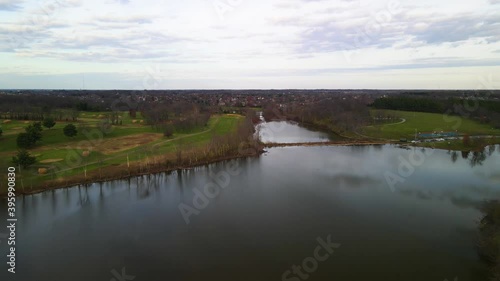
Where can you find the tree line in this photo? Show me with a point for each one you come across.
(339, 115)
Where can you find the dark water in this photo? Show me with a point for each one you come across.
(268, 217)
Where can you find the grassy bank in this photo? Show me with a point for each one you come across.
(132, 147)
(404, 125)
(408, 122)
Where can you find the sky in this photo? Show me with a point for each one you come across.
(243, 44)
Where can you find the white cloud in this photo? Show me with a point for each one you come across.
(301, 42)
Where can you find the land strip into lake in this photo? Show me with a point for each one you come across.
(121, 153)
(328, 143)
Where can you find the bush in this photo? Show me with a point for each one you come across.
(70, 130)
(1, 132)
(34, 131)
(23, 159)
(24, 140)
(49, 122)
(38, 126)
(169, 130)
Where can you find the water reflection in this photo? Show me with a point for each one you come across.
(475, 158)
(290, 132)
(268, 217)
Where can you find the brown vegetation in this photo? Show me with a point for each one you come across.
(113, 145)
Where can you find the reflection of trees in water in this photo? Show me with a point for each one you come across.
(475, 158)
(491, 149)
(465, 154)
(83, 197)
(147, 185)
(454, 156)
(53, 201)
(359, 148)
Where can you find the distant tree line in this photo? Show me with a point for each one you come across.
(336, 114)
(409, 104)
(179, 117)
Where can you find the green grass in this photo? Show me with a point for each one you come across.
(54, 143)
(426, 122)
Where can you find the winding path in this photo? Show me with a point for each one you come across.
(400, 122)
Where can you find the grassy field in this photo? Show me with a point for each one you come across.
(131, 140)
(425, 122)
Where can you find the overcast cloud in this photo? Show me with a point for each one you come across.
(249, 44)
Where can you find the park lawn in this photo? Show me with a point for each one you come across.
(426, 122)
(61, 153)
(217, 124)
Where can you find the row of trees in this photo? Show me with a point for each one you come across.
(241, 142)
(177, 117)
(39, 114)
(409, 104)
(21, 104)
(338, 114)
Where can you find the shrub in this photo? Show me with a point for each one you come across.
(24, 140)
(70, 130)
(23, 158)
(49, 122)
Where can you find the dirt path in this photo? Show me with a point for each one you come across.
(401, 122)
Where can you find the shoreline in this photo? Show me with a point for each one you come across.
(69, 183)
(137, 169)
(364, 140)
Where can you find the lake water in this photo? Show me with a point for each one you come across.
(382, 221)
(290, 132)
